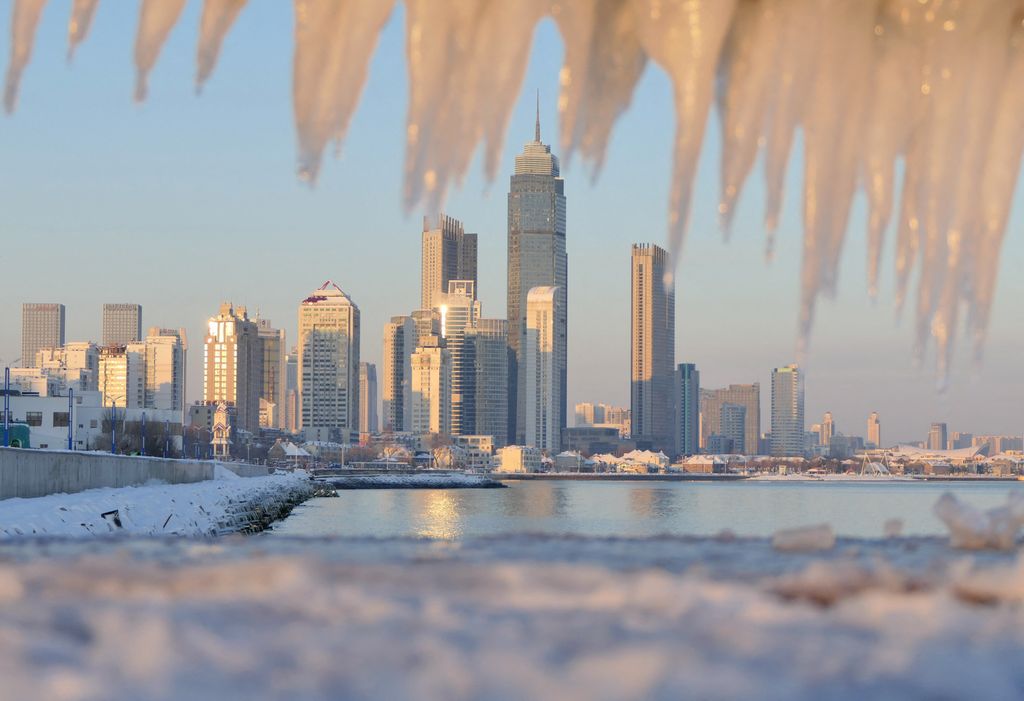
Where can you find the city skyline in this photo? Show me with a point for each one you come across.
(735, 319)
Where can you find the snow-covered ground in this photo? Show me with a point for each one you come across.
(414, 480)
(507, 618)
(202, 508)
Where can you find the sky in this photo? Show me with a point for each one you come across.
(185, 201)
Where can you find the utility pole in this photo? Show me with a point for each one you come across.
(71, 417)
(7, 407)
(143, 433)
(113, 427)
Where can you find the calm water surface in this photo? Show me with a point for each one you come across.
(634, 509)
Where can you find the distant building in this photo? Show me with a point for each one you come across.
(536, 258)
(711, 401)
(272, 386)
(874, 434)
(291, 391)
(544, 387)
(518, 458)
(592, 440)
(605, 415)
(787, 439)
(368, 399)
(166, 370)
(958, 440)
(122, 376)
(687, 409)
(328, 365)
(42, 326)
(448, 254)
(734, 426)
(652, 346)
(401, 338)
(431, 387)
(75, 364)
(122, 324)
(460, 311)
(233, 365)
(826, 430)
(937, 437)
(487, 345)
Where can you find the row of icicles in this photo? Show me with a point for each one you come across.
(937, 85)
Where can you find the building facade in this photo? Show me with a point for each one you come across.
(431, 387)
(687, 409)
(328, 365)
(536, 258)
(486, 345)
(233, 364)
(937, 437)
(122, 324)
(42, 326)
(272, 386)
(368, 424)
(122, 376)
(166, 370)
(449, 253)
(460, 311)
(874, 432)
(734, 426)
(787, 439)
(652, 346)
(542, 349)
(401, 338)
(711, 402)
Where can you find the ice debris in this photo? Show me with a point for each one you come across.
(971, 529)
(804, 539)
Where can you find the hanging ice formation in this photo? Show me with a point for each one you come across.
(935, 84)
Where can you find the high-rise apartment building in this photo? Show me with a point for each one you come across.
(787, 439)
(272, 386)
(122, 376)
(328, 364)
(734, 424)
(687, 409)
(122, 324)
(233, 365)
(486, 345)
(76, 364)
(42, 326)
(431, 387)
(874, 433)
(960, 439)
(449, 253)
(653, 348)
(368, 398)
(711, 401)
(460, 311)
(401, 337)
(541, 352)
(937, 437)
(428, 323)
(166, 370)
(536, 258)
(827, 430)
(291, 391)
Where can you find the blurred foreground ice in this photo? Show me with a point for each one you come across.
(510, 617)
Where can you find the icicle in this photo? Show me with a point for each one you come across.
(24, 20)
(466, 63)
(603, 62)
(82, 13)
(334, 41)
(218, 16)
(156, 20)
(685, 39)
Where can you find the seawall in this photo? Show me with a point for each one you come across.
(36, 473)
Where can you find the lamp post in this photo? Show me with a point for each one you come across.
(7, 407)
(71, 417)
(143, 433)
(113, 427)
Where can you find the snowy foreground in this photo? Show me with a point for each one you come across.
(514, 617)
(216, 507)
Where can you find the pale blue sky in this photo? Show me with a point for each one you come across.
(184, 201)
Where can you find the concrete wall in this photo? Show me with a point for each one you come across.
(35, 473)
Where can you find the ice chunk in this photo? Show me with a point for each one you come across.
(971, 529)
(804, 539)
(893, 527)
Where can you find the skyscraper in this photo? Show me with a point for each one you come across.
(487, 345)
(233, 365)
(687, 409)
(874, 434)
(367, 398)
(291, 391)
(828, 430)
(431, 387)
(448, 254)
(272, 387)
(540, 370)
(166, 369)
(122, 324)
(536, 258)
(734, 424)
(711, 401)
(937, 437)
(122, 376)
(787, 412)
(42, 326)
(328, 364)
(653, 348)
(460, 310)
(400, 340)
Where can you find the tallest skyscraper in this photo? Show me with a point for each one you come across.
(536, 258)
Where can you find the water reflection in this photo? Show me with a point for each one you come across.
(653, 502)
(436, 514)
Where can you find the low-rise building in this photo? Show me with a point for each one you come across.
(519, 458)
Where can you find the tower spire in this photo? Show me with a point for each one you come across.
(537, 130)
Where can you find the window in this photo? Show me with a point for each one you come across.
(93, 423)
(34, 418)
(61, 419)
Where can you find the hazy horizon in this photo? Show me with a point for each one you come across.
(184, 202)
